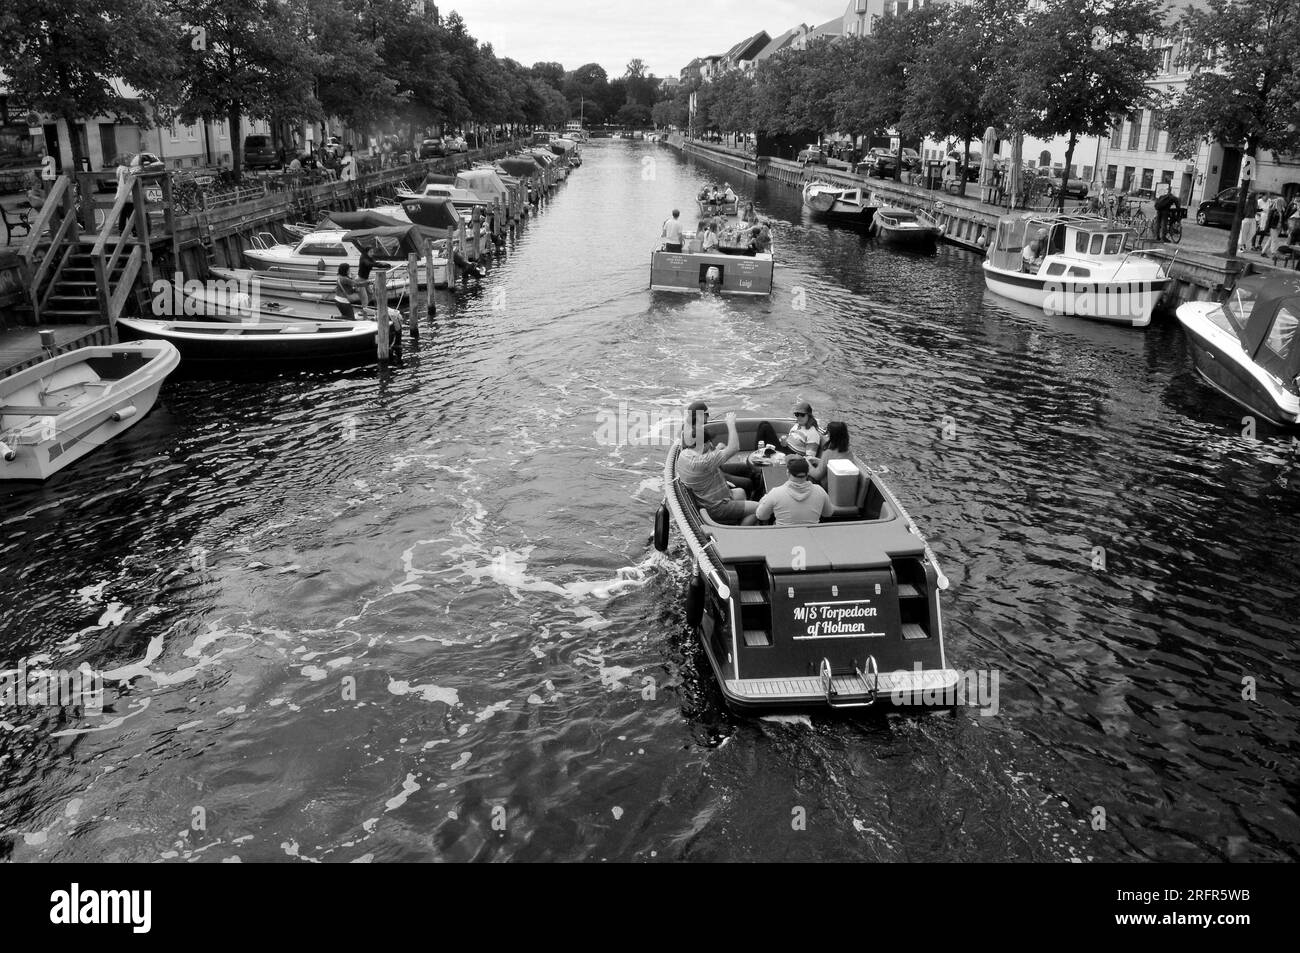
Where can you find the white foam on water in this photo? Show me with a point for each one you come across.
(428, 693)
(491, 710)
(89, 595)
(463, 760)
(788, 719)
(409, 787)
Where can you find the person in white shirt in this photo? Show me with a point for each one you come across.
(672, 232)
(798, 501)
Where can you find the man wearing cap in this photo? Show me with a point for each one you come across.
(673, 232)
(700, 469)
(797, 501)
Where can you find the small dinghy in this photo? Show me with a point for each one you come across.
(838, 614)
(1247, 348)
(902, 227)
(255, 342)
(61, 409)
(221, 304)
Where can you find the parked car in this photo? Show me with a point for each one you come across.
(335, 145)
(432, 149)
(879, 162)
(812, 155)
(911, 160)
(456, 144)
(1074, 188)
(1221, 209)
(259, 153)
(140, 162)
(973, 169)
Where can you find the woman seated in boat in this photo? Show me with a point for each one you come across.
(708, 237)
(836, 448)
(804, 438)
(760, 239)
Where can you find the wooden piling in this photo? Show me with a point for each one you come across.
(430, 305)
(451, 256)
(381, 311)
(413, 269)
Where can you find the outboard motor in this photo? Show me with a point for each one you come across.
(712, 278)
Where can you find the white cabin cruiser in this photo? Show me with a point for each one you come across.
(1076, 265)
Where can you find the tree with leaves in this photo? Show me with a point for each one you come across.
(1080, 63)
(78, 61)
(1244, 90)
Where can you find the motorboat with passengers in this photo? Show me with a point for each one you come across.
(841, 614)
(740, 264)
(1078, 265)
(836, 203)
(713, 201)
(1247, 348)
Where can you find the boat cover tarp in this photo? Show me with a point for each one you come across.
(544, 157)
(1281, 354)
(561, 146)
(433, 212)
(365, 219)
(395, 241)
(519, 166)
(433, 178)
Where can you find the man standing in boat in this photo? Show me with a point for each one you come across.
(701, 469)
(672, 232)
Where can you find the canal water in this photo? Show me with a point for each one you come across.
(415, 615)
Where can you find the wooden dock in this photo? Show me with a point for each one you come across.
(21, 347)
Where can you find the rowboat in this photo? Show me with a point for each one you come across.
(222, 304)
(839, 614)
(1247, 349)
(253, 343)
(1084, 267)
(61, 409)
(900, 226)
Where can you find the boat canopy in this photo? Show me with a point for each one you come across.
(1265, 313)
(561, 146)
(485, 182)
(521, 166)
(365, 219)
(544, 157)
(433, 178)
(388, 242)
(431, 212)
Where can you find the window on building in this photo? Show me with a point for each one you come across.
(1167, 176)
(1111, 172)
(1087, 172)
(1135, 131)
(1129, 172)
(1167, 59)
(222, 132)
(1148, 178)
(191, 132)
(1074, 171)
(1117, 130)
(175, 131)
(1153, 133)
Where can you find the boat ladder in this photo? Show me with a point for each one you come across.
(865, 680)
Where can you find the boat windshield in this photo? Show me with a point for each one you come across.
(1237, 309)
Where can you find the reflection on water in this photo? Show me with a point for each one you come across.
(357, 615)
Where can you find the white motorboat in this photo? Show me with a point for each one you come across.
(1246, 347)
(302, 287)
(836, 203)
(61, 409)
(318, 254)
(1078, 265)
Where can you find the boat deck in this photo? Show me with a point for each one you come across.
(21, 347)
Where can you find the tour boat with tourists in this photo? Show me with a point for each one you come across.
(840, 614)
(1246, 347)
(1077, 265)
(741, 264)
(836, 203)
(59, 410)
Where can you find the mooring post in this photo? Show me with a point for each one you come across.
(478, 233)
(451, 257)
(413, 289)
(430, 305)
(460, 238)
(381, 311)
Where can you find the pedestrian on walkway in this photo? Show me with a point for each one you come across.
(1164, 205)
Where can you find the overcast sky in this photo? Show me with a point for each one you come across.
(667, 34)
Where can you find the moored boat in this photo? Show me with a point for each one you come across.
(836, 203)
(260, 342)
(61, 409)
(1246, 347)
(1084, 267)
(318, 254)
(900, 226)
(843, 613)
(215, 302)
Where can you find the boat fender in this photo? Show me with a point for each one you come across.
(7, 452)
(123, 413)
(661, 528)
(695, 601)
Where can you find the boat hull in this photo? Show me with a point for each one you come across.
(259, 344)
(1129, 303)
(719, 208)
(269, 262)
(908, 237)
(689, 272)
(1221, 362)
(43, 445)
